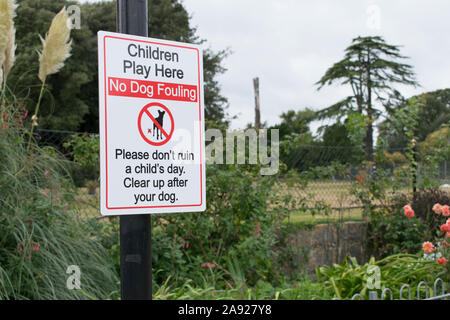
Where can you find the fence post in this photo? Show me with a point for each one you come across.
(373, 295)
(135, 230)
(257, 109)
(445, 170)
(415, 168)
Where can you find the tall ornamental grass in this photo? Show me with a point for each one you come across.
(42, 232)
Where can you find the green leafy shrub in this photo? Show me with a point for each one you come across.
(423, 203)
(235, 226)
(85, 150)
(382, 196)
(391, 232)
(168, 256)
(434, 151)
(107, 233)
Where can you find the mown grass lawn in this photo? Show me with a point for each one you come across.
(299, 218)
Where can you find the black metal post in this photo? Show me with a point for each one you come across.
(135, 230)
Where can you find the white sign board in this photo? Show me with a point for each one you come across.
(151, 116)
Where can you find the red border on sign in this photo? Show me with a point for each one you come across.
(168, 136)
(199, 118)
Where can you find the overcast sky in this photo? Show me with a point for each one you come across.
(289, 44)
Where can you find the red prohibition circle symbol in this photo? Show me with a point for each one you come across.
(156, 123)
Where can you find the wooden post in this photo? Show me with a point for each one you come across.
(257, 110)
(135, 230)
(415, 167)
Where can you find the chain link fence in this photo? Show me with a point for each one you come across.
(330, 171)
(56, 138)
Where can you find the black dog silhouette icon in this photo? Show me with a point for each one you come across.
(160, 120)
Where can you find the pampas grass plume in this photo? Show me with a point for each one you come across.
(10, 53)
(56, 46)
(7, 14)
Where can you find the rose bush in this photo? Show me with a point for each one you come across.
(440, 251)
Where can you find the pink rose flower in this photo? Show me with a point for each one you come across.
(437, 208)
(442, 261)
(444, 228)
(445, 211)
(428, 247)
(408, 211)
